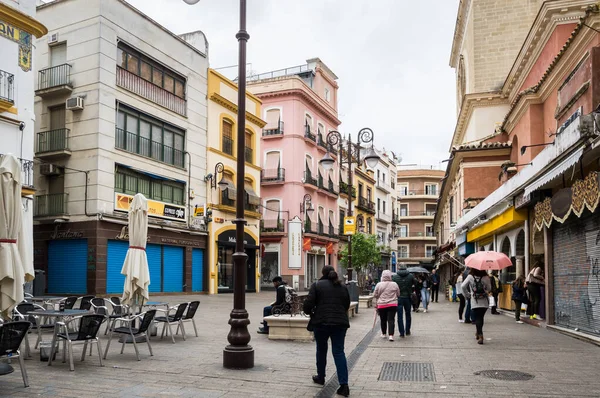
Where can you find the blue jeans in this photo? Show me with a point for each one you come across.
(424, 297)
(337, 334)
(267, 311)
(404, 304)
(469, 315)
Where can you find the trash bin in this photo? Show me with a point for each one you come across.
(45, 348)
(39, 283)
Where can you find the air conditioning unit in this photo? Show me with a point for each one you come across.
(50, 170)
(53, 38)
(75, 104)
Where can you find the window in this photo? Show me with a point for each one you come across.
(369, 226)
(228, 195)
(451, 210)
(429, 250)
(384, 207)
(327, 95)
(150, 70)
(403, 189)
(130, 182)
(430, 210)
(369, 194)
(403, 251)
(430, 189)
(308, 122)
(404, 210)
(249, 151)
(360, 190)
(403, 231)
(378, 204)
(227, 138)
(144, 135)
(429, 231)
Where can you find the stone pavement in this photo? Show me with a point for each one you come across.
(562, 366)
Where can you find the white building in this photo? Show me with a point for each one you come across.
(18, 26)
(385, 200)
(121, 109)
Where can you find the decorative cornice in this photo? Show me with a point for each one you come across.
(22, 21)
(364, 174)
(225, 155)
(224, 102)
(459, 31)
(469, 103)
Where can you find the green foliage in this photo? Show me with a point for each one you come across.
(365, 251)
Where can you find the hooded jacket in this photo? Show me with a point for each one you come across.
(328, 303)
(405, 281)
(386, 292)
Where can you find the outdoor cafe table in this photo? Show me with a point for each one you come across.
(48, 300)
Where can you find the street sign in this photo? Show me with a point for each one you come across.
(349, 225)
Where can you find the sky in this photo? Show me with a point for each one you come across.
(391, 58)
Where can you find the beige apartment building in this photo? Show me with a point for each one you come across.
(417, 191)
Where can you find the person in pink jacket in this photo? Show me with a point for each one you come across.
(386, 294)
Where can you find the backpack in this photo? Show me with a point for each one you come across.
(479, 289)
(289, 294)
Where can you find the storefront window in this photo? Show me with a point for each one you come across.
(269, 269)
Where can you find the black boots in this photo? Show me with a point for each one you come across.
(318, 380)
(344, 391)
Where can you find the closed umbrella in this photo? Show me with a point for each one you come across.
(135, 267)
(15, 265)
(485, 261)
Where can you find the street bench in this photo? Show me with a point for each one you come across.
(295, 308)
(288, 327)
(365, 301)
(352, 309)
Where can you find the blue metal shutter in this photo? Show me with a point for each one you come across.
(67, 266)
(172, 269)
(197, 269)
(154, 254)
(115, 257)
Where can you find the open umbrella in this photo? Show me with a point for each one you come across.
(417, 270)
(485, 261)
(135, 267)
(15, 265)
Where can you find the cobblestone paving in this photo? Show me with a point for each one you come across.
(562, 366)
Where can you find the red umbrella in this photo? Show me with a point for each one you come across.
(488, 261)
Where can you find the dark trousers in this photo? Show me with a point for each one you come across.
(469, 315)
(267, 311)
(518, 310)
(404, 305)
(461, 306)
(495, 308)
(435, 292)
(479, 315)
(534, 298)
(337, 334)
(386, 317)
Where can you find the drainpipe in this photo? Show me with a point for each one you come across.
(189, 189)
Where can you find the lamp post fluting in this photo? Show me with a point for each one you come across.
(351, 156)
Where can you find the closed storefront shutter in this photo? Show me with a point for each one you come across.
(197, 269)
(154, 254)
(115, 256)
(577, 273)
(172, 269)
(67, 266)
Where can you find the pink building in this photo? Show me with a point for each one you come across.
(300, 107)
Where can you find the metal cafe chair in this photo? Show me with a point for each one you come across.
(86, 303)
(21, 312)
(118, 311)
(175, 319)
(189, 316)
(87, 333)
(70, 302)
(142, 331)
(11, 337)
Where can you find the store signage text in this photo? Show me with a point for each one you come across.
(181, 242)
(68, 234)
(155, 208)
(124, 234)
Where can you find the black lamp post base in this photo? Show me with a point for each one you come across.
(238, 357)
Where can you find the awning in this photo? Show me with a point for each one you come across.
(253, 198)
(555, 172)
(230, 187)
(508, 219)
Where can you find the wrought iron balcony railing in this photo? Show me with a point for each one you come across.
(272, 226)
(366, 205)
(309, 179)
(53, 140)
(51, 205)
(7, 87)
(271, 131)
(272, 175)
(55, 76)
(134, 143)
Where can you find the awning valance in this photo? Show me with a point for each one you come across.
(555, 172)
(253, 198)
(231, 192)
(506, 220)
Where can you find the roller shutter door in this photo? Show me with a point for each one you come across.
(116, 252)
(577, 274)
(197, 269)
(154, 254)
(67, 266)
(172, 269)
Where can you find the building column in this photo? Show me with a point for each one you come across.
(527, 246)
(520, 265)
(549, 275)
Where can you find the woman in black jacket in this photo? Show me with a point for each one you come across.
(328, 302)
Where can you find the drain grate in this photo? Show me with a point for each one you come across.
(407, 371)
(508, 375)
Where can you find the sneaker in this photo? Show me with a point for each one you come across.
(539, 318)
(461, 321)
(520, 322)
(383, 336)
(262, 331)
(318, 380)
(425, 310)
(531, 317)
(344, 391)
(391, 338)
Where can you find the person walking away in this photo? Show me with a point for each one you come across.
(416, 298)
(496, 290)
(477, 288)
(328, 301)
(425, 291)
(435, 286)
(280, 301)
(519, 296)
(461, 298)
(535, 280)
(386, 294)
(405, 281)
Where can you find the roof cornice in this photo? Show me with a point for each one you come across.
(459, 31)
(224, 102)
(470, 102)
(22, 21)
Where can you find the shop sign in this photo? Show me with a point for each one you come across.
(67, 234)
(295, 244)
(306, 244)
(197, 223)
(180, 242)
(23, 39)
(329, 248)
(155, 208)
(349, 225)
(124, 234)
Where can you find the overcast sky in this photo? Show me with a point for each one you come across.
(391, 57)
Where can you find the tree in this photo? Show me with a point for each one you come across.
(364, 252)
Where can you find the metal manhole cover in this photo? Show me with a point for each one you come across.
(407, 371)
(509, 375)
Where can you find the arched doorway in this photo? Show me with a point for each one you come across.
(506, 272)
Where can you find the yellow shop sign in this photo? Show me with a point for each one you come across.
(155, 208)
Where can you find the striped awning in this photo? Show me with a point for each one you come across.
(554, 172)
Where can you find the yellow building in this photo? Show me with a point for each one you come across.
(221, 186)
(364, 206)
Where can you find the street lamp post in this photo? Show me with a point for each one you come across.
(351, 156)
(238, 354)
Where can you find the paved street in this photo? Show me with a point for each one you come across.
(562, 366)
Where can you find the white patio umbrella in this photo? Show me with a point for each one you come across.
(135, 267)
(15, 265)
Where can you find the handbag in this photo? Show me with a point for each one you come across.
(492, 301)
(524, 307)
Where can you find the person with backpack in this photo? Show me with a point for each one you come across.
(328, 301)
(386, 295)
(416, 296)
(405, 281)
(283, 302)
(496, 290)
(519, 296)
(477, 288)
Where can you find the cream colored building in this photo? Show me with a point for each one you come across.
(221, 185)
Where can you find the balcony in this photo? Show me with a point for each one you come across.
(227, 145)
(54, 81)
(7, 90)
(142, 146)
(320, 142)
(53, 205)
(273, 131)
(272, 227)
(414, 215)
(308, 135)
(249, 155)
(366, 205)
(152, 92)
(310, 180)
(418, 194)
(384, 186)
(416, 255)
(395, 218)
(344, 189)
(386, 218)
(429, 235)
(53, 144)
(332, 232)
(311, 227)
(272, 176)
